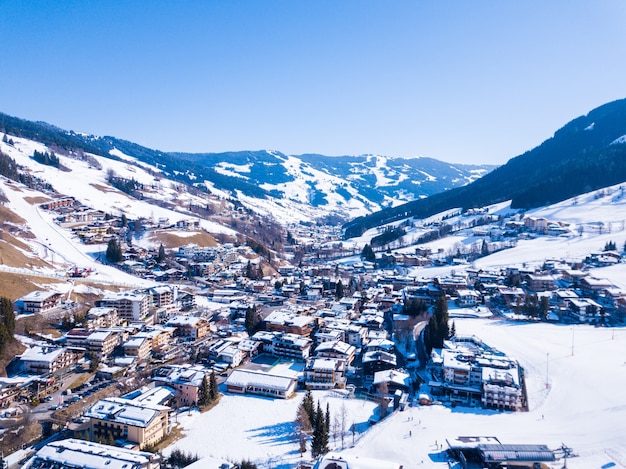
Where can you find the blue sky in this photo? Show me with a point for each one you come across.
(460, 81)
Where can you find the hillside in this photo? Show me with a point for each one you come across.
(289, 187)
(586, 154)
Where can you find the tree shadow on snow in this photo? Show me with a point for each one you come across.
(274, 435)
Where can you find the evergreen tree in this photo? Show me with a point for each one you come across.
(114, 252)
(339, 290)
(161, 255)
(250, 321)
(213, 387)
(319, 444)
(7, 315)
(414, 307)
(327, 419)
(308, 405)
(453, 330)
(438, 330)
(368, 253)
(245, 464)
(204, 392)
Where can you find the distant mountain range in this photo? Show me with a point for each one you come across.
(320, 187)
(586, 154)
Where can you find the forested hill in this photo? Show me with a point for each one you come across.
(586, 154)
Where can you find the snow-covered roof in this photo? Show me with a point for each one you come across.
(125, 411)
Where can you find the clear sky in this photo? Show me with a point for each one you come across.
(460, 81)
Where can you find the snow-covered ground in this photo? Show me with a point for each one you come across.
(582, 406)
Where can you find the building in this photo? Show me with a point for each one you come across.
(336, 349)
(43, 359)
(466, 371)
(131, 306)
(75, 454)
(262, 383)
(325, 373)
(184, 379)
(283, 345)
(102, 317)
(38, 302)
(286, 321)
(140, 424)
(103, 342)
(140, 347)
(191, 327)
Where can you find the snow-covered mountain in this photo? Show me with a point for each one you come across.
(288, 187)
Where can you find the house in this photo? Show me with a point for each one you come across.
(191, 327)
(378, 360)
(140, 347)
(467, 298)
(287, 321)
(585, 309)
(38, 302)
(242, 381)
(541, 282)
(102, 317)
(391, 381)
(140, 424)
(336, 349)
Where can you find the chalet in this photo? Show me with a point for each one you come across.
(102, 342)
(284, 345)
(391, 381)
(191, 327)
(37, 302)
(591, 286)
(336, 349)
(378, 360)
(467, 298)
(584, 310)
(541, 282)
(288, 322)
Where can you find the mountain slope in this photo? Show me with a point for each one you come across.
(306, 187)
(586, 154)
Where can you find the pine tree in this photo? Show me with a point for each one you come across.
(307, 404)
(213, 388)
(114, 252)
(161, 255)
(368, 253)
(339, 290)
(438, 330)
(8, 315)
(204, 392)
(319, 445)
